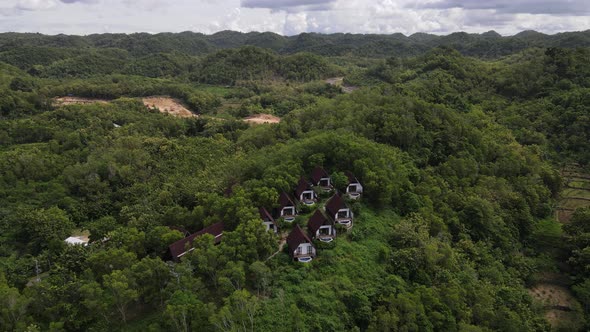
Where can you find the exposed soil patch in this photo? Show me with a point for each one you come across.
(558, 300)
(339, 81)
(262, 118)
(167, 105)
(564, 215)
(552, 295)
(335, 80)
(62, 101)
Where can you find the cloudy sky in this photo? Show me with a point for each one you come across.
(290, 17)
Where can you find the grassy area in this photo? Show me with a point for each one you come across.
(579, 183)
(577, 197)
(575, 193)
(572, 203)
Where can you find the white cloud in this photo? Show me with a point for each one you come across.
(33, 5)
(293, 16)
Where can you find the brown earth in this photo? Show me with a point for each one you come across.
(335, 80)
(558, 300)
(62, 101)
(262, 118)
(168, 105)
(552, 295)
(339, 81)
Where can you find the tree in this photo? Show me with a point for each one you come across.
(187, 313)
(104, 262)
(152, 276)
(238, 312)
(232, 277)
(22, 84)
(42, 226)
(340, 181)
(249, 242)
(120, 291)
(13, 306)
(207, 259)
(260, 276)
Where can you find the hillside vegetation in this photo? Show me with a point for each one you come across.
(457, 141)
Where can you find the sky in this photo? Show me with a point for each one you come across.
(289, 17)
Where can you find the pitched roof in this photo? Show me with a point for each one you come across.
(302, 186)
(351, 177)
(296, 237)
(178, 248)
(317, 220)
(318, 173)
(334, 204)
(264, 215)
(285, 200)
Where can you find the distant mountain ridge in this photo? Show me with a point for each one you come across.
(486, 45)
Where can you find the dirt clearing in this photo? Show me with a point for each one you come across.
(339, 81)
(168, 105)
(262, 118)
(335, 80)
(558, 300)
(63, 101)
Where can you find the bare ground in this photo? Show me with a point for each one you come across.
(557, 299)
(63, 101)
(335, 80)
(168, 105)
(552, 295)
(262, 118)
(339, 81)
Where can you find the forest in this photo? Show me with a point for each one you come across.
(469, 148)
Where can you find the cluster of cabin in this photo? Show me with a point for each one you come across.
(321, 226)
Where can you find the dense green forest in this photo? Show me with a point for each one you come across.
(457, 140)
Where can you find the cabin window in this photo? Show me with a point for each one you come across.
(324, 182)
(325, 231)
(298, 251)
(288, 211)
(342, 214)
(307, 196)
(308, 250)
(352, 188)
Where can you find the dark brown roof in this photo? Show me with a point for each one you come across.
(317, 220)
(285, 200)
(318, 173)
(264, 215)
(334, 204)
(295, 238)
(179, 247)
(182, 230)
(351, 178)
(302, 186)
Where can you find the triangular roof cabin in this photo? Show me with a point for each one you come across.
(265, 215)
(285, 200)
(296, 238)
(268, 220)
(302, 186)
(317, 220)
(317, 174)
(351, 178)
(334, 204)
